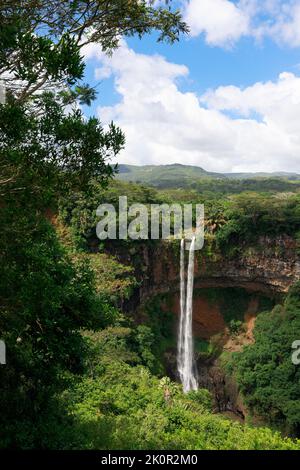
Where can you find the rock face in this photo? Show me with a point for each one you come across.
(271, 267)
(207, 317)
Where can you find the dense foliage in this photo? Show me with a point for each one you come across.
(251, 215)
(231, 223)
(45, 300)
(78, 209)
(45, 297)
(269, 381)
(118, 404)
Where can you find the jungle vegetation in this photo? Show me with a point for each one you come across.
(78, 366)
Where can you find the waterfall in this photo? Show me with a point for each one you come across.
(180, 348)
(185, 350)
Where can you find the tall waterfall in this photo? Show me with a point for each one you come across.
(185, 350)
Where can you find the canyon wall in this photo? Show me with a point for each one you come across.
(271, 266)
(267, 268)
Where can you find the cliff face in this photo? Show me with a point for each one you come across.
(267, 268)
(271, 267)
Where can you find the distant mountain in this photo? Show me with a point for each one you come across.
(164, 175)
(279, 174)
(176, 175)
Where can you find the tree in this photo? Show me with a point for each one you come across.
(42, 68)
(48, 149)
(40, 40)
(51, 154)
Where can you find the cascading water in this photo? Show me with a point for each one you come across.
(180, 349)
(185, 350)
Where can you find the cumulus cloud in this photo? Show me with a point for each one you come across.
(224, 22)
(226, 129)
(221, 21)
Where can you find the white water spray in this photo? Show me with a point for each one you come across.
(185, 351)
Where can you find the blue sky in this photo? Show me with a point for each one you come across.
(226, 98)
(210, 67)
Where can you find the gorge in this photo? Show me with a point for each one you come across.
(226, 289)
(245, 304)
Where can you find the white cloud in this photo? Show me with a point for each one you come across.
(222, 21)
(164, 125)
(287, 27)
(277, 102)
(101, 73)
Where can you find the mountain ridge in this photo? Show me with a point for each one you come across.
(176, 173)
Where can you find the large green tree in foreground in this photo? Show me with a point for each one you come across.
(40, 40)
(40, 52)
(48, 149)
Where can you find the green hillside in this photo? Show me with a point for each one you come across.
(196, 178)
(164, 175)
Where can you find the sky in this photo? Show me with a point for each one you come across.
(226, 97)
